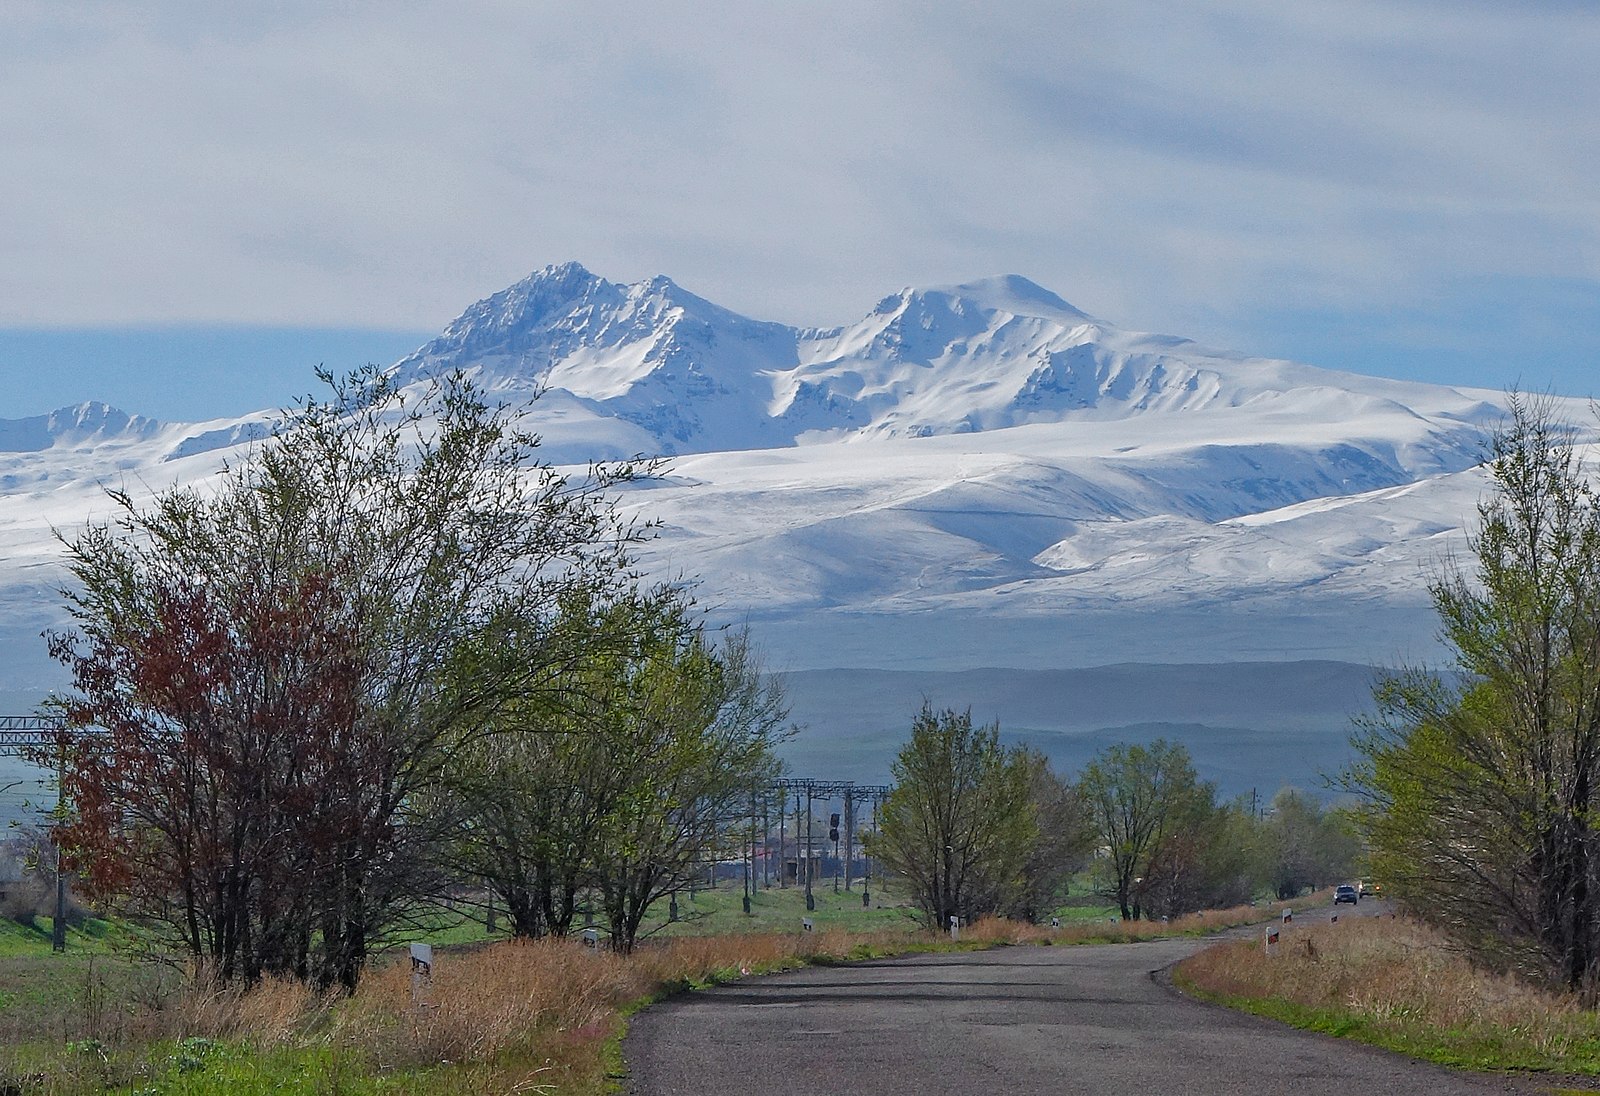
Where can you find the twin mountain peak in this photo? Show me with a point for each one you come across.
(985, 355)
(652, 367)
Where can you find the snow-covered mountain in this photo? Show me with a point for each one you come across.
(973, 475)
(982, 448)
(674, 373)
(84, 426)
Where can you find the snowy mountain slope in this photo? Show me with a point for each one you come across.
(1037, 521)
(83, 426)
(982, 455)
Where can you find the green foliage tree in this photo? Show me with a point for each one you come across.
(622, 787)
(531, 800)
(685, 746)
(961, 823)
(1062, 847)
(1305, 845)
(1481, 787)
(286, 661)
(1142, 798)
(1207, 861)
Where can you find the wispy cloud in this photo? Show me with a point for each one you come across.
(1188, 167)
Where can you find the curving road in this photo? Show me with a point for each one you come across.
(1017, 1021)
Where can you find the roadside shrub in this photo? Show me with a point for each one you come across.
(25, 900)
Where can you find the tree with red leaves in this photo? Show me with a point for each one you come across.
(284, 663)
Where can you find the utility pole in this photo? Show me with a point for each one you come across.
(811, 900)
(29, 737)
(833, 821)
(841, 829)
(783, 862)
(849, 833)
(750, 861)
(866, 861)
(58, 930)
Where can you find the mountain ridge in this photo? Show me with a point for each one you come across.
(982, 450)
(80, 424)
(982, 355)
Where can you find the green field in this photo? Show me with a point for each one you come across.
(781, 909)
(719, 911)
(93, 936)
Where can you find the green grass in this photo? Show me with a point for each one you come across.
(208, 1067)
(781, 909)
(710, 912)
(199, 1067)
(716, 911)
(56, 999)
(93, 936)
(453, 926)
(1087, 912)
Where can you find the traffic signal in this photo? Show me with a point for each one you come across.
(833, 827)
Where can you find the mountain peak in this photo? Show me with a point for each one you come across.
(669, 293)
(673, 372)
(88, 423)
(571, 270)
(1016, 294)
(551, 286)
(510, 321)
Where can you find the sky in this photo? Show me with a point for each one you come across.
(201, 202)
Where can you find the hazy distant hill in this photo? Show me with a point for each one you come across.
(1255, 724)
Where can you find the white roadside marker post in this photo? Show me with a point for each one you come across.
(955, 927)
(421, 973)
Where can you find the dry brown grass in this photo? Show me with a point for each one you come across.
(544, 1010)
(524, 1012)
(510, 1016)
(994, 930)
(278, 1012)
(513, 998)
(1397, 983)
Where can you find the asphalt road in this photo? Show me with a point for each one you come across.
(1014, 1021)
